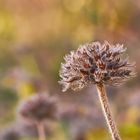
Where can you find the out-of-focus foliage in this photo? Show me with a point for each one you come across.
(34, 37)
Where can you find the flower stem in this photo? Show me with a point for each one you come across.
(107, 112)
(41, 131)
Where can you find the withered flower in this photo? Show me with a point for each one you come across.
(95, 63)
(10, 134)
(38, 109)
(99, 64)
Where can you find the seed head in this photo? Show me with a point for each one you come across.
(95, 63)
(38, 108)
(10, 134)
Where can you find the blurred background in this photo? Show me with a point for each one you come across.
(34, 37)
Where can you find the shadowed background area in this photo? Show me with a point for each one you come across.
(34, 37)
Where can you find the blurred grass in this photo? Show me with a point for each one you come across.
(8, 100)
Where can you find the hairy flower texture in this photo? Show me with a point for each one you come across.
(38, 108)
(95, 63)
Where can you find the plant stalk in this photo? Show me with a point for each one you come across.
(41, 131)
(107, 112)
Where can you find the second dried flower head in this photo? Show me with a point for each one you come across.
(95, 63)
(39, 108)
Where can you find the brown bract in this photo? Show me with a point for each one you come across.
(95, 63)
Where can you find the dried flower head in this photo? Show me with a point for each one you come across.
(10, 134)
(38, 108)
(95, 63)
